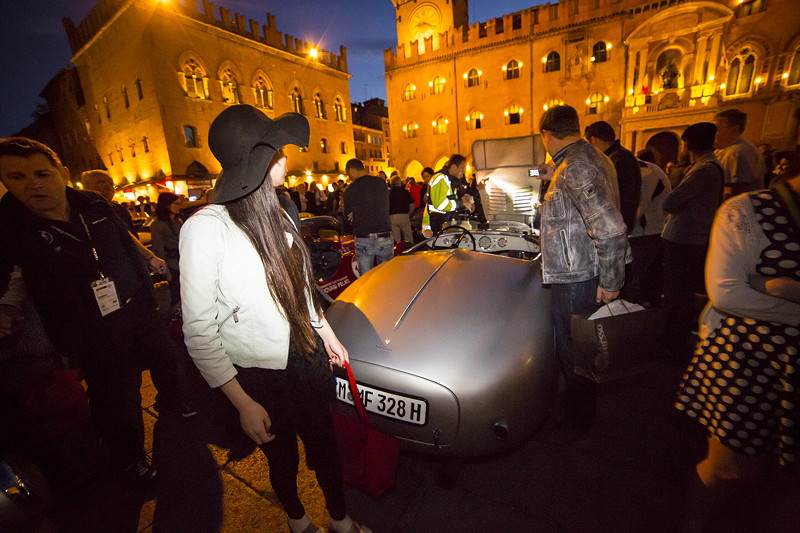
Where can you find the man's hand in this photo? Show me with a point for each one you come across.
(546, 172)
(11, 320)
(157, 265)
(469, 202)
(427, 233)
(605, 296)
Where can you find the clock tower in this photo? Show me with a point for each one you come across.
(420, 19)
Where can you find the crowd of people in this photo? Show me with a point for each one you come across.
(720, 236)
(700, 230)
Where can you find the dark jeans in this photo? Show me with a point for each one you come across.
(312, 421)
(437, 221)
(683, 277)
(127, 342)
(569, 299)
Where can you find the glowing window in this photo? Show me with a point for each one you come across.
(741, 73)
(440, 126)
(552, 62)
(263, 93)
(409, 91)
(410, 130)
(513, 114)
(600, 52)
(596, 103)
(319, 106)
(474, 120)
(512, 69)
(297, 101)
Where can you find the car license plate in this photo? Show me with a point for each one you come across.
(384, 403)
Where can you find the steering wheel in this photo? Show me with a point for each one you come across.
(464, 233)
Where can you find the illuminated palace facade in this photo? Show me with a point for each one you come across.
(150, 77)
(649, 68)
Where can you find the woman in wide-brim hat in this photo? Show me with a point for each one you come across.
(249, 309)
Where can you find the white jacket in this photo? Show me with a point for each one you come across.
(229, 316)
(737, 241)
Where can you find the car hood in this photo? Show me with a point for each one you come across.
(445, 315)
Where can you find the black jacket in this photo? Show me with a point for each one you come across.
(59, 287)
(629, 179)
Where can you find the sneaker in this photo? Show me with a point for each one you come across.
(141, 472)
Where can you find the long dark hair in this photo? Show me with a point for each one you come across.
(165, 199)
(287, 268)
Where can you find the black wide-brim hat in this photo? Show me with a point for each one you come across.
(244, 140)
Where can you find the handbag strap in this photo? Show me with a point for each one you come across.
(359, 405)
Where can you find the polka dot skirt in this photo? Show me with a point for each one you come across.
(744, 381)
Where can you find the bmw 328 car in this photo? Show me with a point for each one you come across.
(451, 342)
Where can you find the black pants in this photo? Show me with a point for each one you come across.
(643, 277)
(683, 277)
(127, 342)
(437, 221)
(312, 421)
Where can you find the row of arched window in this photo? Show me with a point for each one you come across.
(511, 115)
(472, 78)
(600, 54)
(595, 104)
(195, 84)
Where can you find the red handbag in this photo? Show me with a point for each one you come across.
(368, 457)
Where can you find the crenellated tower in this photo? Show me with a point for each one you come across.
(420, 22)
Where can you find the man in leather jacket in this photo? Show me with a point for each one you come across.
(584, 244)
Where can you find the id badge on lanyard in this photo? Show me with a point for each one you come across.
(103, 288)
(106, 295)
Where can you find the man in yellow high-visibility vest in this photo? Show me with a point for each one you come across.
(443, 194)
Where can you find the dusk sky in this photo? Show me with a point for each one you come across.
(35, 45)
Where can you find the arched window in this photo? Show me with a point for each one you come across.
(409, 91)
(437, 85)
(474, 120)
(511, 69)
(513, 114)
(410, 130)
(596, 103)
(741, 73)
(194, 80)
(552, 62)
(190, 136)
(319, 106)
(794, 70)
(552, 102)
(230, 87)
(473, 77)
(440, 126)
(262, 91)
(297, 101)
(600, 52)
(323, 145)
(339, 111)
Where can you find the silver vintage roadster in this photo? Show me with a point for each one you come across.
(452, 341)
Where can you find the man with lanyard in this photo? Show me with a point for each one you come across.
(584, 245)
(366, 206)
(443, 196)
(89, 281)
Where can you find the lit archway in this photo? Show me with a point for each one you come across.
(413, 170)
(666, 146)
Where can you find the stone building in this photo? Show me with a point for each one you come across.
(155, 74)
(650, 68)
(371, 135)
